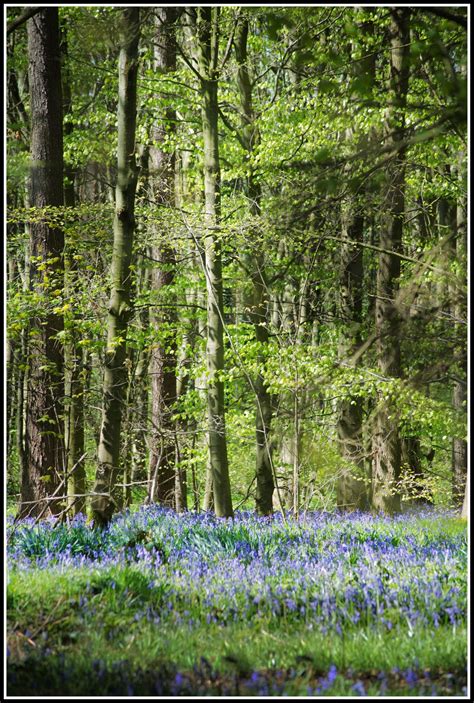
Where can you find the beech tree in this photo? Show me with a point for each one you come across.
(115, 373)
(387, 446)
(206, 21)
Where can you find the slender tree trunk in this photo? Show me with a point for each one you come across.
(163, 354)
(141, 431)
(351, 489)
(181, 487)
(283, 321)
(258, 304)
(20, 395)
(44, 441)
(16, 351)
(17, 358)
(12, 369)
(296, 454)
(74, 417)
(465, 504)
(207, 24)
(73, 352)
(459, 308)
(124, 497)
(115, 374)
(188, 426)
(387, 448)
(22, 382)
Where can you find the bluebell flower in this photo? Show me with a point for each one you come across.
(359, 688)
(410, 677)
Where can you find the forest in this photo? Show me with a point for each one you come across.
(236, 350)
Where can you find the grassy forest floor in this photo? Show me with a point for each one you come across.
(160, 604)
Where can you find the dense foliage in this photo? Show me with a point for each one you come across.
(307, 145)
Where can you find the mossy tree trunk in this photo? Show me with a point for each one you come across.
(115, 373)
(207, 30)
(387, 446)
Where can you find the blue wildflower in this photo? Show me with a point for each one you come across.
(359, 688)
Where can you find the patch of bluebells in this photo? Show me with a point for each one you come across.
(326, 570)
(326, 682)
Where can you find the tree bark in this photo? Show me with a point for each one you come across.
(465, 504)
(44, 440)
(351, 489)
(141, 432)
(459, 447)
(12, 363)
(115, 374)
(73, 352)
(191, 326)
(387, 448)
(163, 354)
(207, 22)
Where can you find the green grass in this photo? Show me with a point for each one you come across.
(45, 614)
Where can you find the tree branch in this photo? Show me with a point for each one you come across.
(441, 12)
(27, 14)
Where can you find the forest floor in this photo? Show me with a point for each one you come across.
(160, 605)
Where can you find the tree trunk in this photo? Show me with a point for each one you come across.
(387, 449)
(465, 504)
(351, 489)
(296, 455)
(73, 352)
(44, 441)
(187, 426)
(74, 418)
(12, 364)
(141, 432)
(411, 461)
(124, 497)
(207, 35)
(163, 353)
(115, 374)
(20, 395)
(352, 486)
(258, 305)
(459, 448)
